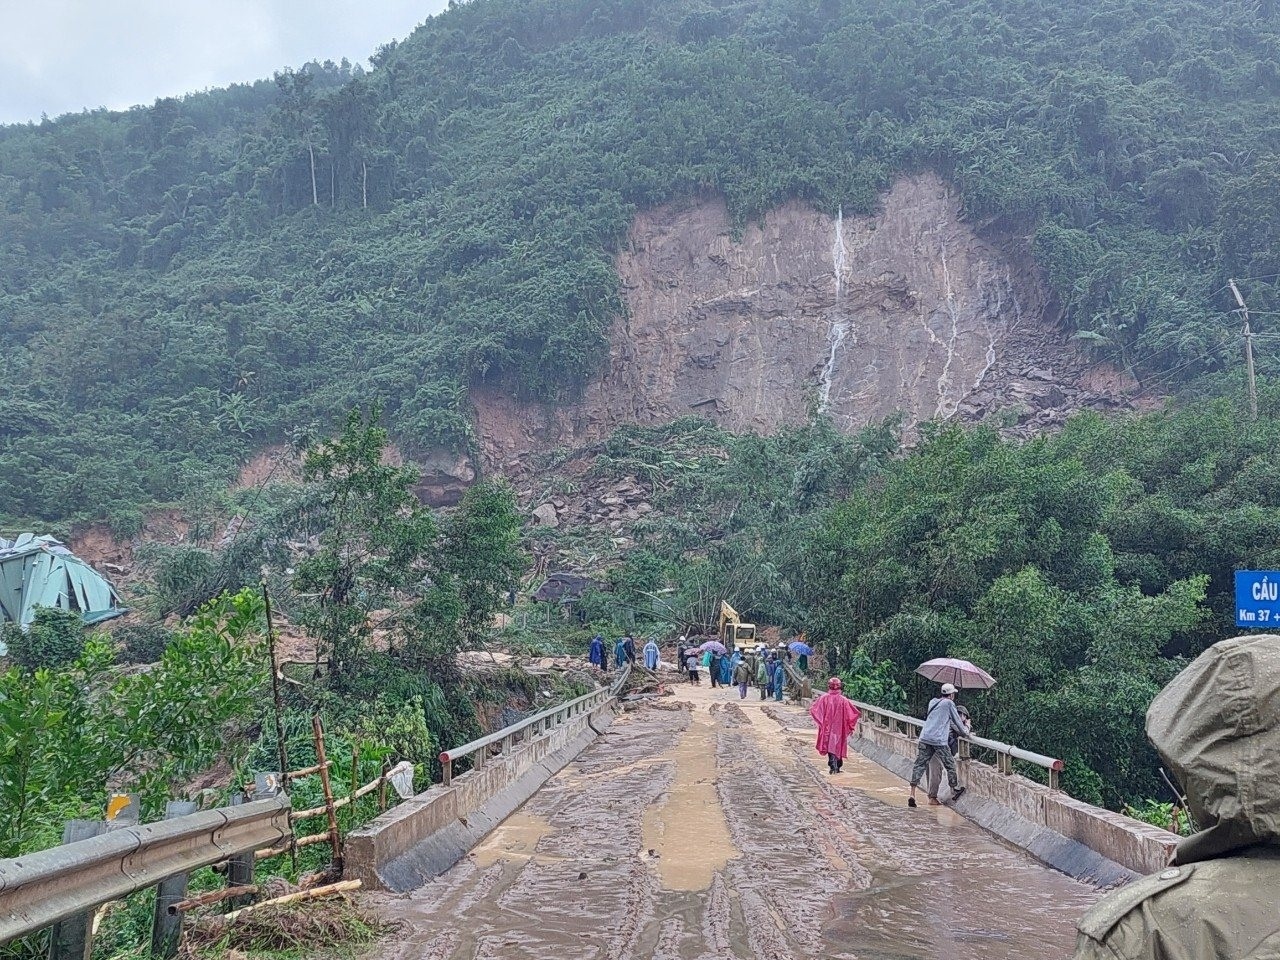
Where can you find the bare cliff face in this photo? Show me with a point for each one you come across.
(909, 311)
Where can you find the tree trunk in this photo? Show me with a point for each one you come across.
(315, 196)
(333, 191)
(364, 185)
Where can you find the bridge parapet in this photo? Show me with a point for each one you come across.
(429, 833)
(1005, 753)
(1082, 840)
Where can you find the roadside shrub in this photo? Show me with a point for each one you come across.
(180, 578)
(144, 642)
(54, 639)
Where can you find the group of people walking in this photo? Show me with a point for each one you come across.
(624, 651)
(836, 716)
(760, 667)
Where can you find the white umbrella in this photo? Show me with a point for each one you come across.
(960, 673)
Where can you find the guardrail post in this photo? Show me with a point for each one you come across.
(166, 928)
(1053, 779)
(72, 939)
(446, 767)
(239, 867)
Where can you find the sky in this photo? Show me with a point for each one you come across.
(61, 56)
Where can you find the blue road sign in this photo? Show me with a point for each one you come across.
(1258, 599)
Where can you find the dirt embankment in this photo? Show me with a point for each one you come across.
(909, 311)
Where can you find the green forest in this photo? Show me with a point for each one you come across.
(1083, 569)
(182, 283)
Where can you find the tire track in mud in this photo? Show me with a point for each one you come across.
(581, 891)
(795, 855)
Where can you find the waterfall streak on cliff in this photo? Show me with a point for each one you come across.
(839, 328)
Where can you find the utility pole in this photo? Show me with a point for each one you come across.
(1248, 350)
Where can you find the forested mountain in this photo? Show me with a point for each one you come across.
(182, 283)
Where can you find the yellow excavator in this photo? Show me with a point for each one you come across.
(733, 632)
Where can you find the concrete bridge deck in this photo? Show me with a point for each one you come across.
(702, 826)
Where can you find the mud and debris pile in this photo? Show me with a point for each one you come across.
(614, 505)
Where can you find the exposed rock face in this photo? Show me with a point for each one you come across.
(445, 478)
(909, 311)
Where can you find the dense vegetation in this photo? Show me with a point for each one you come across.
(1082, 569)
(375, 579)
(182, 283)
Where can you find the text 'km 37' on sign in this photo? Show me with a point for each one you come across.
(1258, 598)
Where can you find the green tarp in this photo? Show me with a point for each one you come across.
(41, 572)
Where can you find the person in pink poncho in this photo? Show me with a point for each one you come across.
(836, 717)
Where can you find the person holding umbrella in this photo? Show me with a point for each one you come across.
(803, 652)
(935, 765)
(961, 674)
(712, 653)
(942, 719)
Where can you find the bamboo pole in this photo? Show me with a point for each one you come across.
(343, 801)
(335, 839)
(275, 688)
(307, 771)
(278, 704)
(315, 893)
(355, 778)
(214, 896)
(267, 852)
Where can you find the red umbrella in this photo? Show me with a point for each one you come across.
(961, 673)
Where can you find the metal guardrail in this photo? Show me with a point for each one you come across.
(1005, 753)
(531, 727)
(40, 889)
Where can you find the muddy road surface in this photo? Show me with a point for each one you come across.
(705, 827)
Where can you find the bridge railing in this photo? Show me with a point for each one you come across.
(43, 888)
(800, 684)
(530, 727)
(1005, 753)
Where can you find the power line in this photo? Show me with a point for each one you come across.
(1165, 377)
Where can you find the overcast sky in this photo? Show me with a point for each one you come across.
(60, 56)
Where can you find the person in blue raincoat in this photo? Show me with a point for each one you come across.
(651, 655)
(620, 652)
(597, 655)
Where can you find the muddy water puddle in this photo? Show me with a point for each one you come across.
(714, 831)
(686, 835)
